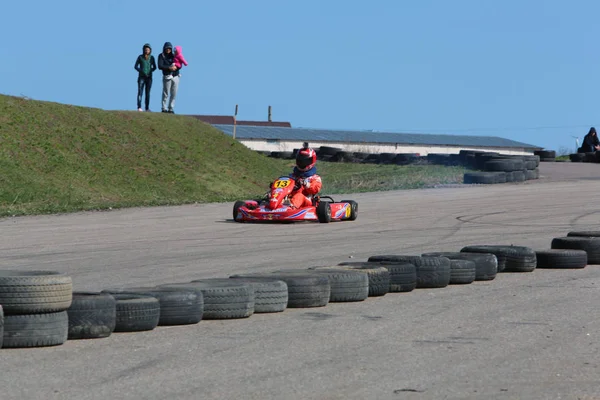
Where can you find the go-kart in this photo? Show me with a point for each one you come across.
(275, 206)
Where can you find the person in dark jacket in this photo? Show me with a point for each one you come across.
(591, 143)
(170, 78)
(145, 66)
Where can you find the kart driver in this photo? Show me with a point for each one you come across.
(305, 174)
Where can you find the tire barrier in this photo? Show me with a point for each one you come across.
(40, 309)
(488, 167)
(546, 155)
(585, 157)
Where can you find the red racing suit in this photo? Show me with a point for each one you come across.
(309, 186)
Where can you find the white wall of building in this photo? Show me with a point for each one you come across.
(423, 150)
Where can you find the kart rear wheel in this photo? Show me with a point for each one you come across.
(236, 207)
(353, 209)
(324, 212)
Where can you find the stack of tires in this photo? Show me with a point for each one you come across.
(327, 153)
(34, 305)
(585, 157)
(503, 168)
(438, 159)
(546, 155)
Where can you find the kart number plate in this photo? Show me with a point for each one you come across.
(280, 184)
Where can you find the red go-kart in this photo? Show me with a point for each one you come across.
(275, 206)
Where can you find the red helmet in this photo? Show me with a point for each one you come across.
(306, 158)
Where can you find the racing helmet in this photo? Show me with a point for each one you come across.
(306, 158)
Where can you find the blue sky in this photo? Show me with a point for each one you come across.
(524, 70)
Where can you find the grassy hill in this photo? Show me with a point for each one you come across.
(61, 158)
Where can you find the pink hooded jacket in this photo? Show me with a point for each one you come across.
(179, 58)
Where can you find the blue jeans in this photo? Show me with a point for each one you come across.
(144, 83)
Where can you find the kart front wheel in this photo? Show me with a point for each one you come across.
(353, 209)
(236, 207)
(324, 212)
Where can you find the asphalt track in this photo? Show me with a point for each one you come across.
(521, 336)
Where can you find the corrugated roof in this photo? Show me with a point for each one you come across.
(228, 120)
(326, 135)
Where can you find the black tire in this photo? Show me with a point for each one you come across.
(343, 156)
(177, 306)
(386, 158)
(136, 312)
(577, 157)
(530, 175)
(518, 176)
(269, 296)
(486, 178)
(431, 272)
(545, 154)
(403, 276)
(34, 292)
(481, 159)
(35, 330)
(345, 285)
(236, 207)
(92, 315)
(561, 258)
(405, 159)
(486, 265)
(500, 165)
(360, 155)
(324, 212)
(584, 234)
(353, 209)
(589, 157)
(329, 151)
(462, 272)
(591, 245)
(509, 177)
(379, 277)
(529, 164)
(371, 159)
(222, 300)
(304, 290)
(501, 177)
(438, 159)
(510, 258)
(1, 325)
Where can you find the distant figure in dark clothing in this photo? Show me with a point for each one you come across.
(591, 143)
(170, 78)
(145, 66)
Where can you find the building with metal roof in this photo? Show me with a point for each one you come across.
(230, 119)
(273, 138)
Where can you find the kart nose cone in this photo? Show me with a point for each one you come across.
(273, 204)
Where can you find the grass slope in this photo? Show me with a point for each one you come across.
(61, 158)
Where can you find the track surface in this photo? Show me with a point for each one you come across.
(520, 336)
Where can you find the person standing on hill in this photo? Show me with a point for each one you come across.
(170, 78)
(145, 66)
